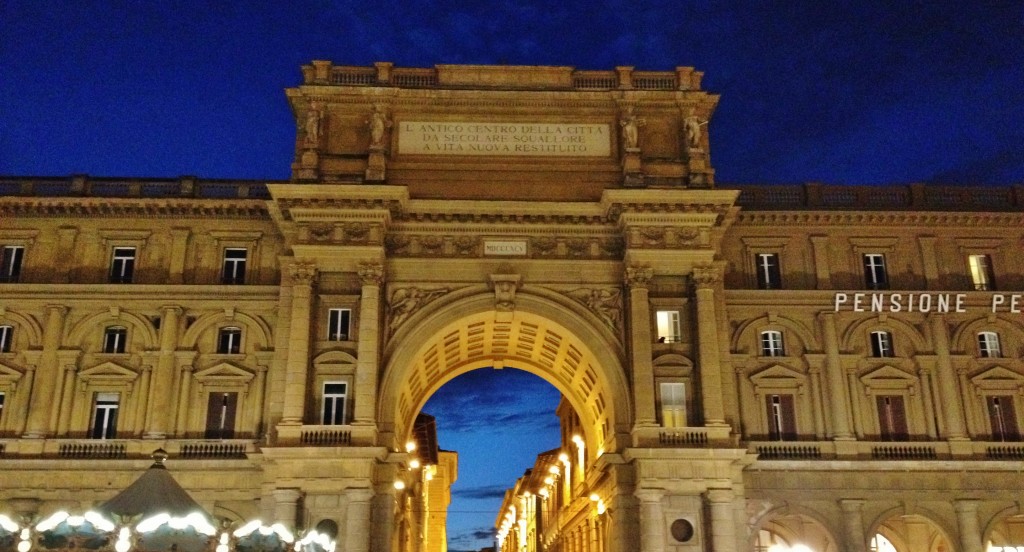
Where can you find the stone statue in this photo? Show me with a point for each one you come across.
(406, 301)
(692, 125)
(313, 126)
(631, 124)
(379, 126)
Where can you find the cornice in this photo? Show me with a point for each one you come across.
(886, 218)
(248, 209)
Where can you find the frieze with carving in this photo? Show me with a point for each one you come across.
(604, 302)
(406, 301)
(433, 245)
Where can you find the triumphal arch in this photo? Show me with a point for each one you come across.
(837, 368)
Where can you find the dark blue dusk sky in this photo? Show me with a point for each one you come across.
(856, 92)
(836, 92)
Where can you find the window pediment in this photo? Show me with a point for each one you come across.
(998, 377)
(9, 374)
(224, 373)
(108, 371)
(888, 377)
(777, 377)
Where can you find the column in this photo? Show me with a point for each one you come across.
(949, 391)
(20, 410)
(303, 275)
(357, 520)
(853, 526)
(65, 250)
(179, 241)
(705, 278)
(723, 523)
(929, 261)
(929, 401)
(286, 503)
(372, 276)
(623, 516)
(817, 408)
(638, 278)
(64, 417)
(160, 412)
(967, 525)
(143, 402)
(855, 403)
(255, 416)
(41, 405)
(819, 244)
(652, 520)
(383, 521)
(834, 380)
(184, 399)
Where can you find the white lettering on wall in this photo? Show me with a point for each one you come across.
(922, 302)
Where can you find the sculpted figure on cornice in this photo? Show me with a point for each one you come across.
(405, 301)
(380, 124)
(312, 127)
(631, 124)
(606, 303)
(692, 126)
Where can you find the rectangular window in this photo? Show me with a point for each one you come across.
(10, 264)
(673, 404)
(234, 266)
(981, 272)
(6, 338)
(338, 323)
(229, 341)
(781, 417)
(104, 416)
(1003, 418)
(122, 265)
(875, 275)
(220, 415)
(892, 418)
(881, 344)
(335, 393)
(768, 274)
(668, 326)
(115, 339)
(3, 396)
(988, 345)
(771, 343)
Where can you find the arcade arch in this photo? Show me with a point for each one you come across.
(467, 334)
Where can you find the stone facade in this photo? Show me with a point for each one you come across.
(740, 366)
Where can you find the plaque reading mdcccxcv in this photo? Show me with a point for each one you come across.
(516, 139)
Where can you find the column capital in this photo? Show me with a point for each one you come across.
(302, 273)
(175, 309)
(287, 495)
(705, 277)
(965, 505)
(717, 496)
(851, 504)
(650, 495)
(638, 276)
(61, 309)
(371, 273)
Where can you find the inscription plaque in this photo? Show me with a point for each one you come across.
(503, 138)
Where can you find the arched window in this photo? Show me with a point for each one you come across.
(229, 340)
(771, 343)
(115, 339)
(881, 344)
(988, 345)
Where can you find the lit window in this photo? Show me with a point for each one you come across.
(673, 404)
(104, 416)
(981, 272)
(122, 265)
(768, 275)
(220, 415)
(1003, 418)
(6, 338)
(229, 341)
(668, 326)
(875, 275)
(338, 322)
(988, 345)
(881, 344)
(234, 266)
(10, 264)
(771, 343)
(781, 417)
(892, 417)
(335, 393)
(115, 338)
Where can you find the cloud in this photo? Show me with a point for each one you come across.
(471, 539)
(483, 492)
